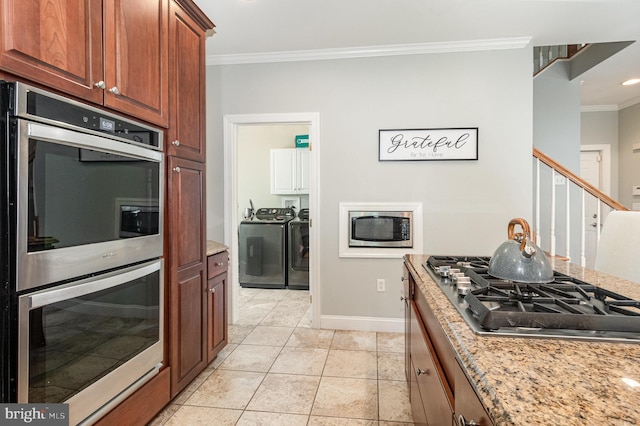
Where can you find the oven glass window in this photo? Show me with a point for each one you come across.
(75, 195)
(136, 221)
(74, 343)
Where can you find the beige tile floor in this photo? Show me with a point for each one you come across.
(277, 370)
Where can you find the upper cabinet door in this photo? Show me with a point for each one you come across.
(290, 171)
(136, 58)
(57, 43)
(302, 170)
(187, 87)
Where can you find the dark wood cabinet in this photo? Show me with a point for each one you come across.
(110, 52)
(439, 390)
(54, 42)
(143, 405)
(146, 59)
(217, 266)
(417, 407)
(187, 89)
(406, 299)
(469, 409)
(187, 280)
(136, 58)
(194, 297)
(434, 392)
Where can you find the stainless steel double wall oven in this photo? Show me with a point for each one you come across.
(81, 279)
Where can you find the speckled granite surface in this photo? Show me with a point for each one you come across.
(532, 381)
(214, 247)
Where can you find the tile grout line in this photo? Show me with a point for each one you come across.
(252, 327)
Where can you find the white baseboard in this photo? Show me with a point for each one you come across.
(337, 322)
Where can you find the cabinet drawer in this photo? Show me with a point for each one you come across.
(433, 387)
(441, 345)
(469, 409)
(217, 264)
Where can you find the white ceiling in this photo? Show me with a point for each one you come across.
(247, 29)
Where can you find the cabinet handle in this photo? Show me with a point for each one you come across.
(219, 263)
(101, 85)
(420, 371)
(464, 422)
(212, 290)
(176, 169)
(175, 143)
(402, 298)
(115, 90)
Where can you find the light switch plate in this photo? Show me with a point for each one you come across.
(636, 190)
(560, 180)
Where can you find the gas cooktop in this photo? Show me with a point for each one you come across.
(564, 308)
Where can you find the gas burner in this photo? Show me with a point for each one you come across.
(565, 308)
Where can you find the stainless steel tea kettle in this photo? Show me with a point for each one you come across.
(519, 259)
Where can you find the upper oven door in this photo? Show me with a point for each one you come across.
(71, 186)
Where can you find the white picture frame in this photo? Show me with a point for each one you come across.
(428, 144)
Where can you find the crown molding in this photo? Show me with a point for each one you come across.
(599, 108)
(614, 107)
(629, 103)
(370, 51)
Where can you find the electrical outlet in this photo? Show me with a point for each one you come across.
(380, 284)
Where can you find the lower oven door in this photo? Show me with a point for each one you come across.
(90, 343)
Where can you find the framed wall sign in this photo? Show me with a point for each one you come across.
(428, 144)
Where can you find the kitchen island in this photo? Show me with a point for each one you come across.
(543, 381)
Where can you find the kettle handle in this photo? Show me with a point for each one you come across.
(525, 229)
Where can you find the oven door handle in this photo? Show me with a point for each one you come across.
(89, 285)
(89, 141)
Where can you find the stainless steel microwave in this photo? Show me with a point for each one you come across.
(392, 229)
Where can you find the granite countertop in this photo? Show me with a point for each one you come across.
(214, 247)
(537, 381)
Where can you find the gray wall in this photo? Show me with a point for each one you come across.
(629, 160)
(467, 204)
(601, 128)
(620, 129)
(556, 132)
(556, 115)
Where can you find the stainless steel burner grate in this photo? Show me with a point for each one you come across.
(566, 307)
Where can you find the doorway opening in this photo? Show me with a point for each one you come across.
(234, 205)
(595, 168)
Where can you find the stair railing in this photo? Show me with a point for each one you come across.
(585, 190)
(543, 56)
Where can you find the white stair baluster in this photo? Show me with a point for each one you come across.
(583, 236)
(568, 228)
(553, 213)
(538, 240)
